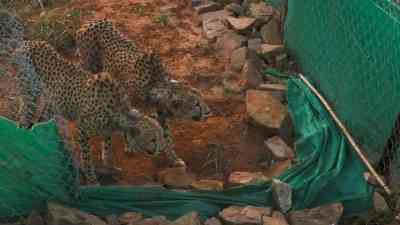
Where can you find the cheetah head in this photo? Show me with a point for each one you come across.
(179, 100)
(143, 134)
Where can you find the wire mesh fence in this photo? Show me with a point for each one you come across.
(348, 49)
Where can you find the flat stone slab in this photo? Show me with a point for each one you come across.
(265, 109)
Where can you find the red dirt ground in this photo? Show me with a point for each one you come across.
(181, 45)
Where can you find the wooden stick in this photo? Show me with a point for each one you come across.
(348, 135)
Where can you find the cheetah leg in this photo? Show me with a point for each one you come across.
(87, 162)
(107, 156)
(48, 113)
(169, 151)
(30, 91)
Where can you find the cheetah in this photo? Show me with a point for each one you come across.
(101, 47)
(95, 102)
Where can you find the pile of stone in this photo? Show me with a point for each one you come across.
(233, 215)
(248, 37)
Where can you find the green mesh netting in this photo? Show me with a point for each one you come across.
(350, 50)
(325, 165)
(347, 48)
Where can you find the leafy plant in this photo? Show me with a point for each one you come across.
(162, 19)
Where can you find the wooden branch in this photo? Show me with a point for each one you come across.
(348, 135)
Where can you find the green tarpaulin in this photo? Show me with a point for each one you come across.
(35, 168)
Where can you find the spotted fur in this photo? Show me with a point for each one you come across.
(95, 102)
(102, 47)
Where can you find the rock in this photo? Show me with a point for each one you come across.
(268, 50)
(252, 71)
(324, 215)
(208, 185)
(243, 178)
(209, 7)
(213, 221)
(278, 168)
(261, 12)
(34, 219)
(277, 219)
(277, 90)
(130, 218)
(60, 215)
(282, 194)
(286, 131)
(238, 59)
(158, 220)
(229, 42)
(371, 179)
(255, 44)
(236, 8)
(188, 219)
(279, 149)
(112, 220)
(271, 33)
(241, 24)
(243, 215)
(175, 178)
(234, 84)
(213, 29)
(380, 204)
(264, 109)
(217, 15)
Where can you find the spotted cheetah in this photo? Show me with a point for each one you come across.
(95, 102)
(101, 47)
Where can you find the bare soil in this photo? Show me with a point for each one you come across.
(169, 29)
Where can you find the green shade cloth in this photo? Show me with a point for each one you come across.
(36, 168)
